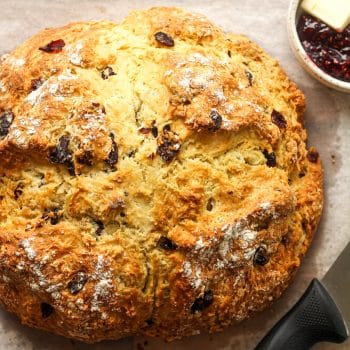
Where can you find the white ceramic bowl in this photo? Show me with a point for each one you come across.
(294, 13)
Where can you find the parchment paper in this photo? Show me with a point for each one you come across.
(327, 121)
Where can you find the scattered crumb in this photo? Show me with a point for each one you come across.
(333, 158)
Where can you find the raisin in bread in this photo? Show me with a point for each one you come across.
(154, 178)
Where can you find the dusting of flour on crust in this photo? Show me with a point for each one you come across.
(103, 285)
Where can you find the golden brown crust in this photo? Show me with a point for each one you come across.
(150, 186)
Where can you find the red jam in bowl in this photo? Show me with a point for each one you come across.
(328, 49)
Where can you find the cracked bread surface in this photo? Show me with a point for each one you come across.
(154, 178)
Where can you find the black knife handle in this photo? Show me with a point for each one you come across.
(314, 318)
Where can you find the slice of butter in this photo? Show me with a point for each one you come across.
(335, 13)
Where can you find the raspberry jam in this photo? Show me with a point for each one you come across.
(328, 49)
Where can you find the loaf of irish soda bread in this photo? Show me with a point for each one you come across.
(154, 178)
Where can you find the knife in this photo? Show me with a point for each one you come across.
(321, 314)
